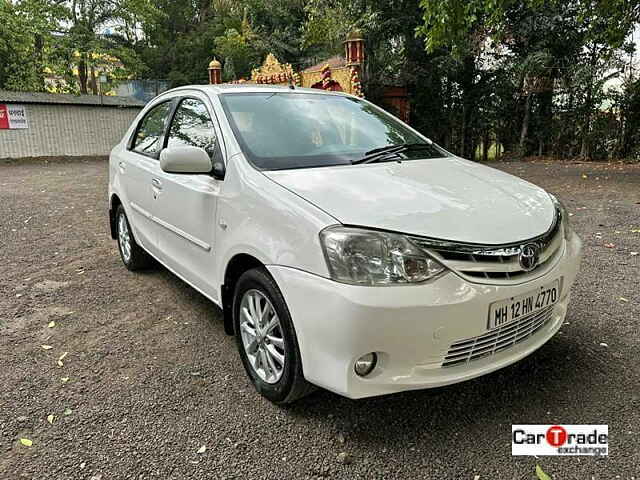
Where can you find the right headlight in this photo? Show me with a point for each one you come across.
(367, 257)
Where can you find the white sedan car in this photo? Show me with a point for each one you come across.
(346, 250)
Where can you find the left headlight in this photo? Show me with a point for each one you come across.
(563, 215)
(367, 257)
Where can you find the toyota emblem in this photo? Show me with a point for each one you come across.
(528, 257)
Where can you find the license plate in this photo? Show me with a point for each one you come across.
(514, 308)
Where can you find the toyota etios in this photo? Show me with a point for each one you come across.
(346, 250)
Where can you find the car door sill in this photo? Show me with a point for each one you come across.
(183, 279)
(196, 241)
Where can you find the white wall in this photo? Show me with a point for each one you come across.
(61, 130)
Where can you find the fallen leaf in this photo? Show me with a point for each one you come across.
(26, 442)
(345, 458)
(51, 324)
(64, 379)
(202, 449)
(584, 176)
(540, 474)
(47, 347)
(60, 364)
(50, 419)
(68, 411)
(622, 299)
(610, 245)
(602, 344)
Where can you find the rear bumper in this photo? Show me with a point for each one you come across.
(410, 327)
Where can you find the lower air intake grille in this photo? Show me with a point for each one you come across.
(497, 340)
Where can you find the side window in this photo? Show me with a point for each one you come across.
(192, 125)
(149, 135)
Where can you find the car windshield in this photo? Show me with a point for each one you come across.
(285, 130)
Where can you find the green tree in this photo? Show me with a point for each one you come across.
(93, 41)
(27, 42)
(559, 55)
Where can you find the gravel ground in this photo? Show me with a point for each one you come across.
(152, 377)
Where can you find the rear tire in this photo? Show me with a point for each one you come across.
(266, 339)
(132, 254)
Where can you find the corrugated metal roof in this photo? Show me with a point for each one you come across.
(7, 96)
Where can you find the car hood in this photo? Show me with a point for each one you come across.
(445, 198)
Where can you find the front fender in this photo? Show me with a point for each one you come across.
(258, 217)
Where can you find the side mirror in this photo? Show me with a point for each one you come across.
(185, 159)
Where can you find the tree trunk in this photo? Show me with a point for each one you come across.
(584, 148)
(586, 129)
(463, 131)
(94, 81)
(545, 129)
(469, 105)
(39, 54)
(82, 73)
(525, 124)
(485, 146)
(619, 148)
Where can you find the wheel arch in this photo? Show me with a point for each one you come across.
(237, 265)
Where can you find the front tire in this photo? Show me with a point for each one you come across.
(266, 339)
(132, 254)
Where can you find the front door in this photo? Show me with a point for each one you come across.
(139, 165)
(185, 207)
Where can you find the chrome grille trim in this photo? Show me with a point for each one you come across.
(502, 338)
(487, 263)
(506, 249)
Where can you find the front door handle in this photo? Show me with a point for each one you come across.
(156, 187)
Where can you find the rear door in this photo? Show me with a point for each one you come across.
(186, 204)
(138, 166)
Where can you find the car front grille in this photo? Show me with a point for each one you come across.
(497, 340)
(495, 263)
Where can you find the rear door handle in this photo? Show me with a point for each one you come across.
(156, 183)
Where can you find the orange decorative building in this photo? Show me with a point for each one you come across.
(339, 73)
(215, 72)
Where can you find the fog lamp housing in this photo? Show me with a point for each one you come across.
(365, 364)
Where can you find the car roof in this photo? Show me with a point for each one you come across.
(252, 88)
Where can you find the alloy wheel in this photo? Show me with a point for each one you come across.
(262, 336)
(124, 238)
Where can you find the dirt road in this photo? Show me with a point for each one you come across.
(147, 377)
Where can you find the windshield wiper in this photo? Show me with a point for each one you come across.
(380, 153)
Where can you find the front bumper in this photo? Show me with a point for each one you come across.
(410, 327)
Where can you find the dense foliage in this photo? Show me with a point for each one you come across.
(527, 77)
